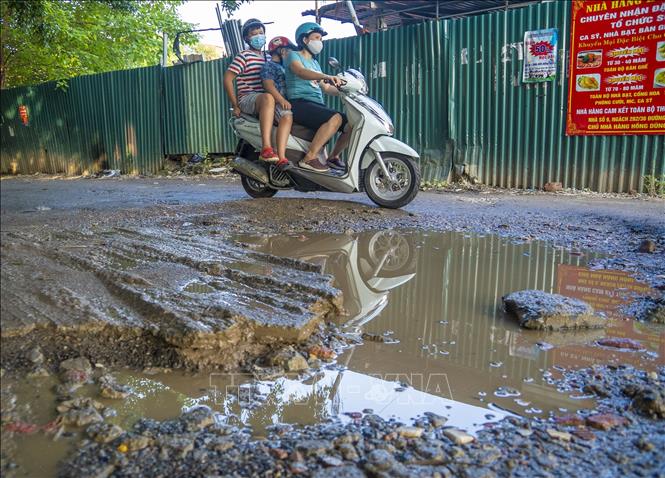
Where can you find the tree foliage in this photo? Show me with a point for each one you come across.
(45, 40)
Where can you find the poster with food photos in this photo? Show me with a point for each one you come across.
(617, 68)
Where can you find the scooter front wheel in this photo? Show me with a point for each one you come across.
(255, 188)
(399, 188)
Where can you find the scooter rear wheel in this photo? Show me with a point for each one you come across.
(394, 193)
(256, 189)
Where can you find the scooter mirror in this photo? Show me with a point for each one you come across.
(334, 63)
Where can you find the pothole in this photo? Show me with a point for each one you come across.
(428, 307)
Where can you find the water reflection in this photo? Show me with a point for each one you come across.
(440, 293)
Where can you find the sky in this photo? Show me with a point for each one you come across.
(286, 16)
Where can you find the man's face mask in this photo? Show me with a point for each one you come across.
(257, 41)
(315, 46)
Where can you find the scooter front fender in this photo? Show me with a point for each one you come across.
(385, 144)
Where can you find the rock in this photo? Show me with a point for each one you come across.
(596, 389)
(552, 187)
(279, 453)
(379, 460)
(584, 434)
(645, 444)
(347, 438)
(606, 421)
(176, 446)
(314, 447)
(620, 343)
(648, 401)
(38, 372)
(79, 363)
(430, 455)
(221, 444)
(647, 246)
(36, 356)
(524, 432)
(458, 437)
(297, 363)
(559, 435)
(540, 310)
(79, 403)
(114, 391)
(331, 461)
(348, 451)
(348, 471)
(137, 442)
(104, 432)
(301, 468)
(198, 419)
(409, 432)
(75, 378)
(436, 420)
(322, 352)
(569, 420)
(655, 310)
(81, 417)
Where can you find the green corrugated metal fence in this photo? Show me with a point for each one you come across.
(196, 109)
(105, 121)
(453, 88)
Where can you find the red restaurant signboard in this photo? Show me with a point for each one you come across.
(617, 67)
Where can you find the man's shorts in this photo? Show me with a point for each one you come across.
(281, 112)
(313, 115)
(247, 105)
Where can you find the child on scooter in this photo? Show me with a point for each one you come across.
(245, 69)
(274, 82)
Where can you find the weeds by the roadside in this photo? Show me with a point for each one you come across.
(196, 164)
(433, 185)
(654, 185)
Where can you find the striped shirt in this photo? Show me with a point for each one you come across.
(247, 66)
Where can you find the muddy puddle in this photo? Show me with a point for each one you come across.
(435, 338)
(429, 308)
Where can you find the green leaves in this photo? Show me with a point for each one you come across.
(44, 40)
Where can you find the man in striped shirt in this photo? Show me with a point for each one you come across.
(251, 98)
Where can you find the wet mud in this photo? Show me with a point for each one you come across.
(164, 298)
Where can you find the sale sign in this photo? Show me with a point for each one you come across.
(540, 55)
(617, 67)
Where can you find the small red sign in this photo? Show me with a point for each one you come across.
(23, 114)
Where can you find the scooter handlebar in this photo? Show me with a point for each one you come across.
(343, 83)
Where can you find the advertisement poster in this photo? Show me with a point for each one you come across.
(605, 290)
(540, 49)
(617, 67)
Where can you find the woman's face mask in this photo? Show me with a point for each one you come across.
(257, 41)
(315, 46)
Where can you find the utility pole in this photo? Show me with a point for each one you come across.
(165, 49)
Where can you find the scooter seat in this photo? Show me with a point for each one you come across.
(297, 130)
(302, 132)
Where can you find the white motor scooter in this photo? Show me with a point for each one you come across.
(378, 164)
(366, 266)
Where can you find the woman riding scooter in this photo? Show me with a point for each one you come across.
(304, 83)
